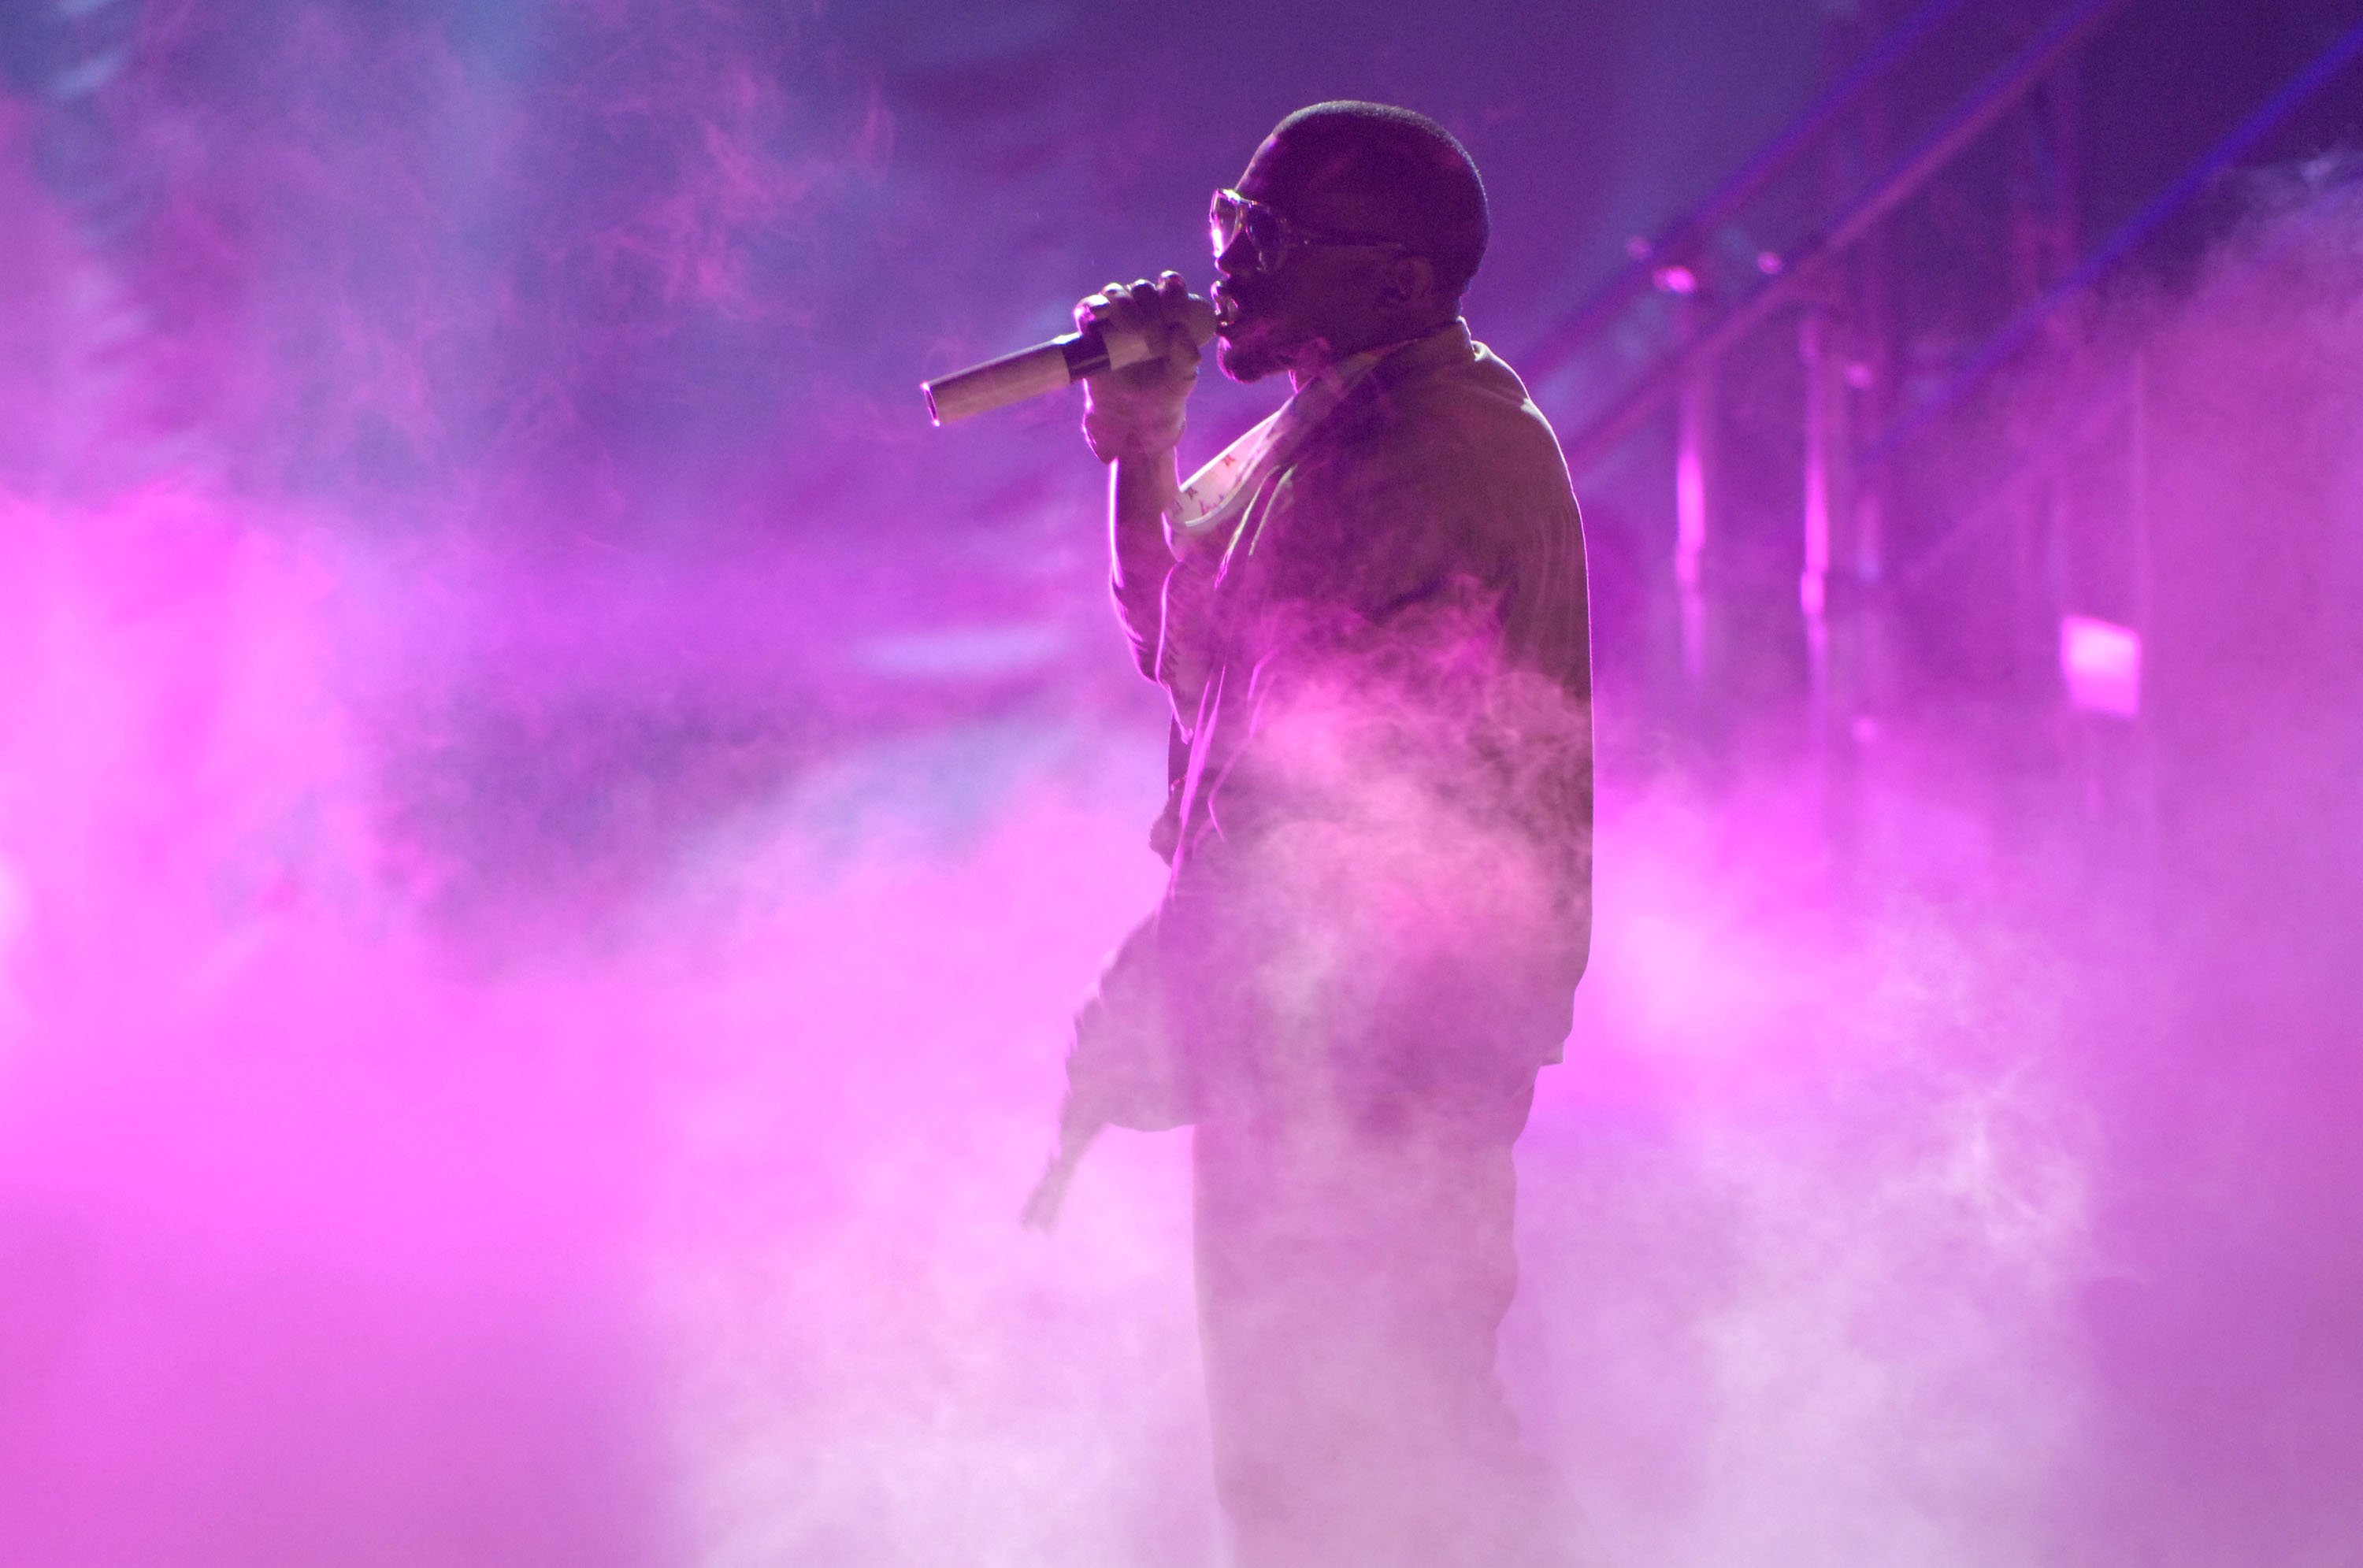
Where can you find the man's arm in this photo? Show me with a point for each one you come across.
(1121, 1068)
(1133, 419)
(1141, 492)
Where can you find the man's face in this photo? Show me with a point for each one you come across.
(1319, 303)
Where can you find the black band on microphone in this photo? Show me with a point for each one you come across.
(1086, 354)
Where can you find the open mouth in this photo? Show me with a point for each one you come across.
(1226, 309)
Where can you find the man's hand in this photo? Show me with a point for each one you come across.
(1137, 413)
(1076, 1128)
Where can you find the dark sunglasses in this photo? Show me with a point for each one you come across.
(1270, 234)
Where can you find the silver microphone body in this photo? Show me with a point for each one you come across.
(1048, 367)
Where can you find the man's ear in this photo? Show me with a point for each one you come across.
(1409, 281)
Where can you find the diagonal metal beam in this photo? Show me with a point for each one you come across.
(1687, 234)
(2005, 344)
(1995, 97)
(2022, 330)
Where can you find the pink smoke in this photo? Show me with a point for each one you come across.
(546, 849)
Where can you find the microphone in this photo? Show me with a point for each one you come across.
(1047, 367)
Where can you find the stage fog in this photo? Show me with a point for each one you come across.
(551, 828)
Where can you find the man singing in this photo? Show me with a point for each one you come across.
(1369, 615)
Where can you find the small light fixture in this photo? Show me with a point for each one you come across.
(2100, 662)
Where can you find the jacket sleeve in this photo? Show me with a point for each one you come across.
(1139, 562)
(1124, 1068)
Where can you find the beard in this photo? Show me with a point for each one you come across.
(1253, 346)
(1247, 359)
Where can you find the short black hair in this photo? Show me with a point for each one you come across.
(1416, 168)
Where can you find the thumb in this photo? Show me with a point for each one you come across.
(1181, 353)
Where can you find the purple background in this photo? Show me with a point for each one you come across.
(549, 826)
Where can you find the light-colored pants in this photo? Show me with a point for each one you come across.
(1353, 1275)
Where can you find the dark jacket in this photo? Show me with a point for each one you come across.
(1386, 771)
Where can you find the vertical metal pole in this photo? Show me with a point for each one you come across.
(1857, 546)
(1693, 477)
(1872, 356)
(2046, 229)
(1820, 343)
(1690, 527)
(2145, 805)
(1813, 343)
(2137, 484)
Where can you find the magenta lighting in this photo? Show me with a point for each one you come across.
(1697, 895)
(2101, 663)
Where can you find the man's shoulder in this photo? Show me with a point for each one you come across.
(1452, 415)
(1443, 385)
(1436, 469)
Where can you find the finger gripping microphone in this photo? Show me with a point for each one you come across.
(1047, 367)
